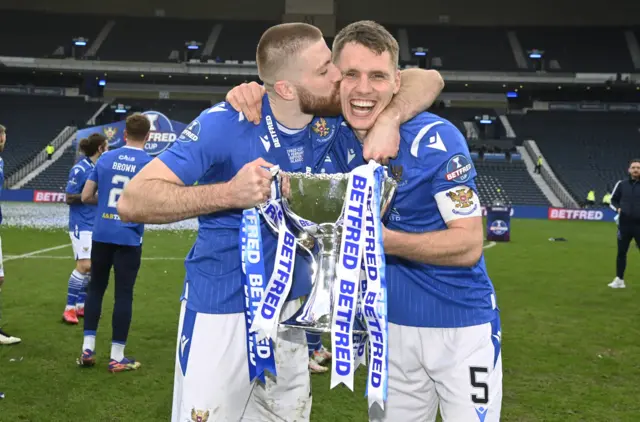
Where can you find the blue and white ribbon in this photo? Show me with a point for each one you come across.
(260, 354)
(361, 341)
(266, 320)
(346, 287)
(375, 302)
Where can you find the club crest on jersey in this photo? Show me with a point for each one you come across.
(110, 132)
(461, 197)
(161, 134)
(463, 200)
(199, 415)
(458, 169)
(322, 129)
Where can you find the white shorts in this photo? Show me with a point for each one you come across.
(81, 244)
(212, 375)
(457, 369)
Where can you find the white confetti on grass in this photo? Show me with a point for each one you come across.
(56, 216)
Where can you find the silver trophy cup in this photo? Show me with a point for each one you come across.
(313, 203)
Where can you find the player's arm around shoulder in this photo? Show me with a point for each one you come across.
(441, 149)
(164, 192)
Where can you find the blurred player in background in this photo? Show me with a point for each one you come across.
(220, 150)
(5, 338)
(115, 244)
(625, 200)
(81, 219)
(318, 355)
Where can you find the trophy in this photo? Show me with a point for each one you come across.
(314, 205)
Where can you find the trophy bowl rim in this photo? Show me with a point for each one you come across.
(331, 176)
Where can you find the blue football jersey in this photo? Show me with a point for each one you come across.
(81, 216)
(112, 172)
(212, 149)
(436, 185)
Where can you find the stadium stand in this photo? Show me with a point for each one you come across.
(580, 49)
(586, 150)
(152, 39)
(462, 48)
(33, 121)
(55, 177)
(238, 40)
(30, 34)
(507, 182)
(181, 110)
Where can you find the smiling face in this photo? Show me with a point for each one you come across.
(367, 55)
(369, 82)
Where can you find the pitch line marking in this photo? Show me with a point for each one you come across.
(39, 251)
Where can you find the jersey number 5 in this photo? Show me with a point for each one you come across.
(484, 397)
(114, 193)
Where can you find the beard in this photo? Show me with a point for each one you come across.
(319, 106)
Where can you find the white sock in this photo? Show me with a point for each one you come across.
(66, 308)
(117, 351)
(89, 343)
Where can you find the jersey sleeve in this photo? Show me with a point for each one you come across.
(202, 144)
(443, 151)
(93, 176)
(75, 182)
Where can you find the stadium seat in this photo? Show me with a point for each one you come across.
(36, 34)
(33, 121)
(55, 177)
(586, 150)
(580, 49)
(152, 39)
(465, 48)
(509, 183)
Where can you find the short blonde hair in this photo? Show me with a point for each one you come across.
(279, 44)
(370, 34)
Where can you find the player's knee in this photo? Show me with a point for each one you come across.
(83, 266)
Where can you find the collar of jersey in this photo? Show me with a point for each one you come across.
(285, 130)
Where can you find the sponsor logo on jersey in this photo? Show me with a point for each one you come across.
(125, 157)
(272, 131)
(190, 133)
(458, 169)
(161, 134)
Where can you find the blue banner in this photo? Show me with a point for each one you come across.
(164, 132)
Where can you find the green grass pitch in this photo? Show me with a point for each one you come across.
(571, 345)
